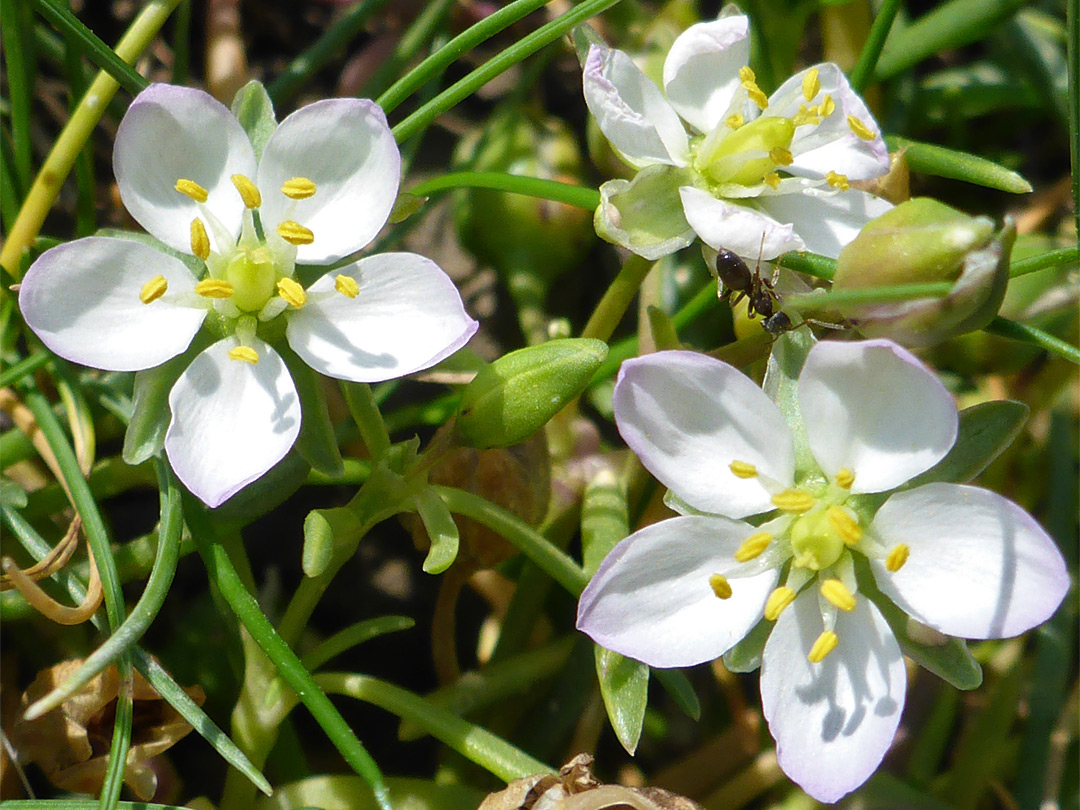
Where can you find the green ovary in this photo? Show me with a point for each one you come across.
(742, 155)
(814, 542)
(253, 275)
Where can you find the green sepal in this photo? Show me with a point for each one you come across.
(584, 37)
(985, 431)
(150, 412)
(325, 530)
(664, 334)
(788, 355)
(317, 443)
(441, 529)
(405, 206)
(512, 398)
(624, 686)
(645, 214)
(255, 111)
(746, 655)
(268, 492)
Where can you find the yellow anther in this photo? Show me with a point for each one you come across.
(778, 601)
(826, 107)
(734, 121)
(347, 286)
(860, 129)
(294, 233)
(845, 478)
(200, 242)
(292, 292)
(189, 188)
(153, 289)
(756, 96)
(844, 525)
(824, 645)
(781, 156)
(811, 84)
(299, 188)
(752, 546)
(214, 288)
(897, 557)
(805, 116)
(772, 180)
(794, 501)
(720, 586)
(245, 354)
(741, 469)
(746, 75)
(837, 180)
(249, 192)
(837, 593)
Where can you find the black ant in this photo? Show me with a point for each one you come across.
(736, 278)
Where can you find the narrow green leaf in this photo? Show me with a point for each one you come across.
(255, 111)
(1036, 337)
(985, 431)
(678, 686)
(941, 161)
(17, 371)
(352, 793)
(1052, 258)
(17, 20)
(745, 656)
(441, 530)
(352, 636)
(11, 494)
(875, 40)
(578, 196)
(624, 686)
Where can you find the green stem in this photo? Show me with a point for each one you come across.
(875, 40)
(365, 412)
(506, 59)
(810, 263)
(75, 134)
(809, 302)
(1053, 258)
(617, 299)
(577, 196)
(1029, 334)
(19, 370)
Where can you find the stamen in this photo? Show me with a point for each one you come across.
(845, 478)
(824, 645)
(742, 469)
(214, 288)
(299, 188)
(347, 286)
(860, 129)
(200, 241)
(734, 121)
(837, 180)
(844, 525)
(244, 354)
(781, 156)
(294, 233)
(837, 593)
(720, 586)
(778, 601)
(153, 289)
(292, 292)
(249, 192)
(189, 188)
(897, 557)
(811, 84)
(746, 74)
(794, 500)
(805, 116)
(753, 546)
(749, 83)
(827, 107)
(772, 180)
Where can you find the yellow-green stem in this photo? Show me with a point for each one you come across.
(617, 299)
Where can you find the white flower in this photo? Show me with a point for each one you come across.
(754, 173)
(187, 172)
(959, 559)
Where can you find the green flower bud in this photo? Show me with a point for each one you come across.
(516, 395)
(922, 241)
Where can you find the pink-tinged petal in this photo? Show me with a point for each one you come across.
(651, 599)
(872, 408)
(172, 133)
(825, 220)
(831, 146)
(231, 420)
(82, 299)
(688, 417)
(701, 72)
(631, 111)
(979, 565)
(739, 228)
(346, 148)
(407, 317)
(832, 721)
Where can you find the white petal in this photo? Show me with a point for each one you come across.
(701, 72)
(979, 567)
(688, 417)
(832, 721)
(825, 220)
(171, 133)
(739, 228)
(631, 111)
(831, 145)
(346, 148)
(408, 316)
(231, 420)
(871, 407)
(651, 599)
(82, 299)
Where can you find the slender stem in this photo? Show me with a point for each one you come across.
(23, 367)
(617, 299)
(76, 133)
(875, 41)
(578, 196)
(1029, 334)
(810, 263)
(365, 412)
(1054, 258)
(809, 302)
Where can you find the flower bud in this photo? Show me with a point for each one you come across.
(923, 241)
(516, 395)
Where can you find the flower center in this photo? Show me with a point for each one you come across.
(747, 154)
(253, 274)
(814, 542)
